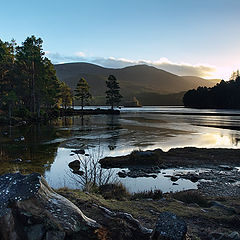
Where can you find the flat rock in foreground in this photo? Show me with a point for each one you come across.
(30, 209)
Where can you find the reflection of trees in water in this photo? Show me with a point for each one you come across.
(235, 139)
(91, 175)
(114, 127)
(34, 153)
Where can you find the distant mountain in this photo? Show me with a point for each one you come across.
(149, 84)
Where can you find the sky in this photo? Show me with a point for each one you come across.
(185, 37)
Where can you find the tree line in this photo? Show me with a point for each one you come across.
(225, 94)
(29, 85)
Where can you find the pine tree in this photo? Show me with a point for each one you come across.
(36, 80)
(66, 95)
(8, 96)
(82, 92)
(113, 96)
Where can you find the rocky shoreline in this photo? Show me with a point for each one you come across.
(216, 171)
(176, 157)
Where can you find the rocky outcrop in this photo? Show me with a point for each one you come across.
(123, 226)
(169, 227)
(30, 209)
(136, 158)
(175, 157)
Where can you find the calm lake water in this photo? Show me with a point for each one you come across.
(47, 148)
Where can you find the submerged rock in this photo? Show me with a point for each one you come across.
(30, 209)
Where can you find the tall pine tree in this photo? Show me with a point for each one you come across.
(113, 96)
(82, 92)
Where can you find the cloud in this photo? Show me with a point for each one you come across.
(201, 70)
(182, 69)
(80, 54)
(58, 58)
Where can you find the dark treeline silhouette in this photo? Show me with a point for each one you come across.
(225, 94)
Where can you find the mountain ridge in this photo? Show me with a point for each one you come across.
(137, 80)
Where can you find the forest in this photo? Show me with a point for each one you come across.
(28, 83)
(225, 94)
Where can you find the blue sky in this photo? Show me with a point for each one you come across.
(186, 37)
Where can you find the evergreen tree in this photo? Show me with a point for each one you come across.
(82, 92)
(30, 68)
(113, 96)
(66, 95)
(36, 80)
(223, 95)
(8, 96)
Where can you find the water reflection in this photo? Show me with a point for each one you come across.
(47, 147)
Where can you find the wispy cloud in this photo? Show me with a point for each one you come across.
(80, 54)
(201, 70)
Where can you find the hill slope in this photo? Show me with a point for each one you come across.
(139, 80)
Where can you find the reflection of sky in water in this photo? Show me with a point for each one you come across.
(139, 128)
(142, 129)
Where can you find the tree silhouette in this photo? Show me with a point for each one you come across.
(225, 94)
(113, 96)
(82, 92)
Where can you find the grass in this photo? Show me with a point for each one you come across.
(114, 191)
(200, 223)
(155, 195)
(191, 197)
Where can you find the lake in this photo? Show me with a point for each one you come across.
(47, 148)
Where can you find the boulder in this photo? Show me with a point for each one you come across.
(74, 165)
(31, 210)
(169, 227)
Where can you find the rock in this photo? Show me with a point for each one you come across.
(30, 209)
(128, 228)
(174, 179)
(21, 138)
(234, 235)
(226, 167)
(122, 174)
(220, 205)
(80, 173)
(5, 133)
(216, 236)
(136, 158)
(80, 151)
(169, 227)
(55, 235)
(35, 232)
(17, 160)
(74, 165)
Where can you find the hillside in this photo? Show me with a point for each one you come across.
(139, 80)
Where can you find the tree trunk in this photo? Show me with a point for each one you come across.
(33, 89)
(10, 113)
